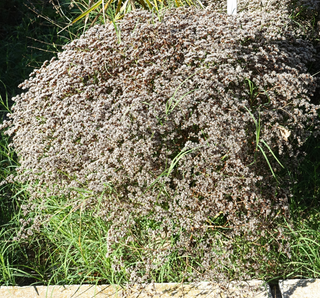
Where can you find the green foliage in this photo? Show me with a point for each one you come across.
(123, 8)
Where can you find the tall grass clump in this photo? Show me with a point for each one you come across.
(177, 133)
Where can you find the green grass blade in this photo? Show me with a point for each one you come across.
(93, 7)
(177, 158)
(258, 129)
(265, 156)
(155, 4)
(272, 153)
(254, 119)
(149, 4)
(181, 99)
(168, 104)
(257, 124)
(105, 7)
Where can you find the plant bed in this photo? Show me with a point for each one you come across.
(146, 163)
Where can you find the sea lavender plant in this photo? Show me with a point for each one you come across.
(185, 120)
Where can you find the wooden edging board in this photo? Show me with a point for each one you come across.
(253, 288)
(292, 288)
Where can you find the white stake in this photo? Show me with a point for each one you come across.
(232, 7)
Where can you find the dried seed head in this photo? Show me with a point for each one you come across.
(163, 124)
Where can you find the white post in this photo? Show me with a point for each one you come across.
(232, 7)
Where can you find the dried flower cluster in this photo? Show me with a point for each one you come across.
(163, 119)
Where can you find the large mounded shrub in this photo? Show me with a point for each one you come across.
(186, 120)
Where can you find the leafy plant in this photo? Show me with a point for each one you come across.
(79, 240)
(123, 8)
(106, 110)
